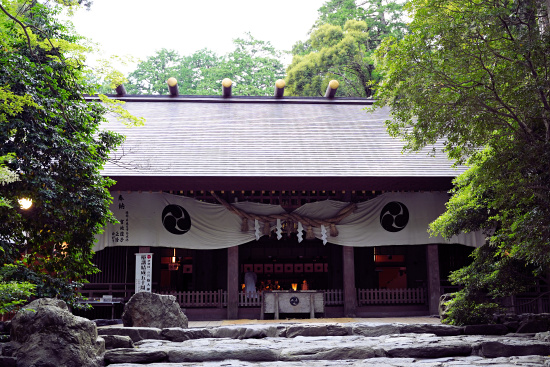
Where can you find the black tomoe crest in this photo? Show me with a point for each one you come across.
(175, 219)
(394, 216)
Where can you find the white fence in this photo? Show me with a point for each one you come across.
(391, 296)
(200, 299)
(333, 297)
(251, 299)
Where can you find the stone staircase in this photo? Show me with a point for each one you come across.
(348, 344)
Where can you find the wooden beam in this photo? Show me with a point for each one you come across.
(350, 293)
(279, 88)
(432, 261)
(173, 87)
(332, 87)
(233, 283)
(226, 87)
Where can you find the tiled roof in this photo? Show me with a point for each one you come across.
(244, 137)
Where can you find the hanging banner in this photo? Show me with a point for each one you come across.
(144, 270)
(164, 220)
(390, 219)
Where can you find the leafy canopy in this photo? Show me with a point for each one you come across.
(475, 74)
(53, 149)
(341, 47)
(253, 65)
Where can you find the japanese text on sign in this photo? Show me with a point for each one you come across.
(144, 267)
(120, 232)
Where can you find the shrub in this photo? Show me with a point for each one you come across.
(465, 309)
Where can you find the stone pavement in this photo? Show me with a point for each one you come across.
(402, 320)
(396, 342)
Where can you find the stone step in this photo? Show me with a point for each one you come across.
(527, 361)
(357, 343)
(295, 330)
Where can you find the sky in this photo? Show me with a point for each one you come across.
(139, 28)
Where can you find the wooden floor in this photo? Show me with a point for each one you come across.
(402, 320)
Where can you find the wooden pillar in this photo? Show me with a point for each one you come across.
(233, 283)
(434, 284)
(350, 293)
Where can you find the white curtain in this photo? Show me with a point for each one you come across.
(159, 219)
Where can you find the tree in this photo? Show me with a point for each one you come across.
(476, 75)
(56, 148)
(341, 47)
(253, 65)
(151, 75)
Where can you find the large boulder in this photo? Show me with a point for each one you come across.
(146, 309)
(44, 333)
(534, 323)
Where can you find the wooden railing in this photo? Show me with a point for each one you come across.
(200, 298)
(253, 299)
(334, 297)
(391, 296)
(218, 298)
(120, 290)
(531, 303)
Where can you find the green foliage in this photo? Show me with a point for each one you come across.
(490, 277)
(466, 311)
(334, 52)
(341, 47)
(13, 294)
(151, 75)
(471, 73)
(57, 150)
(383, 18)
(476, 76)
(39, 285)
(253, 66)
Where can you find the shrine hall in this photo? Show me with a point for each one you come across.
(225, 201)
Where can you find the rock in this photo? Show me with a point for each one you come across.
(177, 334)
(430, 350)
(232, 352)
(245, 332)
(326, 353)
(135, 333)
(338, 330)
(135, 356)
(44, 333)
(543, 337)
(6, 349)
(439, 330)
(494, 349)
(534, 324)
(511, 325)
(485, 329)
(306, 330)
(368, 329)
(146, 309)
(107, 322)
(117, 341)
